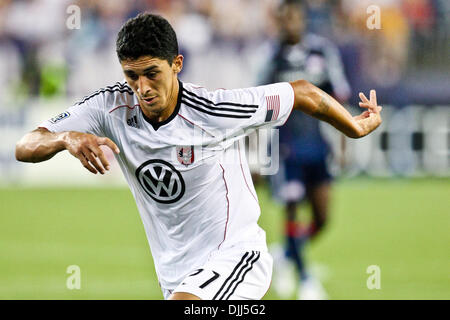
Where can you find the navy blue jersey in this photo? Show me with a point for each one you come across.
(316, 60)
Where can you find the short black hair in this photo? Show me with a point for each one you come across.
(147, 35)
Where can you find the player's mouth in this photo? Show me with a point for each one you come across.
(150, 100)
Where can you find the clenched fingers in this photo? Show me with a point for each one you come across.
(85, 162)
(86, 148)
(100, 155)
(95, 153)
(92, 157)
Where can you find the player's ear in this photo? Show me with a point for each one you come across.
(177, 64)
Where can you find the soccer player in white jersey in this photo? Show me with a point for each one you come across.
(178, 146)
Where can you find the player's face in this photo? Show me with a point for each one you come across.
(155, 83)
(291, 23)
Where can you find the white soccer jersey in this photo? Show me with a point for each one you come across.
(188, 174)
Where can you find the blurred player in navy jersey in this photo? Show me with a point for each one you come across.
(303, 173)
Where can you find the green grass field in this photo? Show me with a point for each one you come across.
(403, 226)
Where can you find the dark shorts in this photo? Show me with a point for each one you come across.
(309, 174)
(294, 178)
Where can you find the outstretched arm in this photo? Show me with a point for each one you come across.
(41, 145)
(315, 102)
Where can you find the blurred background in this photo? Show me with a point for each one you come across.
(391, 201)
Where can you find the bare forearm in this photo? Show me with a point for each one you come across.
(318, 104)
(39, 145)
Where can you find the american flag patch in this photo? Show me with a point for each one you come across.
(273, 108)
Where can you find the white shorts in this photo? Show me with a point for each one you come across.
(229, 275)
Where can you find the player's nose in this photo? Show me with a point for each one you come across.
(143, 86)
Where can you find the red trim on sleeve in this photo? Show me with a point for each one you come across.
(228, 206)
(122, 106)
(243, 174)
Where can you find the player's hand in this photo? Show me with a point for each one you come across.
(370, 119)
(86, 148)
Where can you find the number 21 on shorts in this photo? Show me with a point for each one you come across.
(208, 276)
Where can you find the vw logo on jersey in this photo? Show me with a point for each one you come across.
(161, 181)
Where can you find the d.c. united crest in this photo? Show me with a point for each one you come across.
(185, 154)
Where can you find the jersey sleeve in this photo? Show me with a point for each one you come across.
(252, 108)
(86, 116)
(276, 102)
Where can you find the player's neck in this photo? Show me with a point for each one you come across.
(173, 99)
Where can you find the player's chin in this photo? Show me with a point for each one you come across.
(154, 109)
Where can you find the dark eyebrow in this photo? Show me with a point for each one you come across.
(131, 72)
(152, 68)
